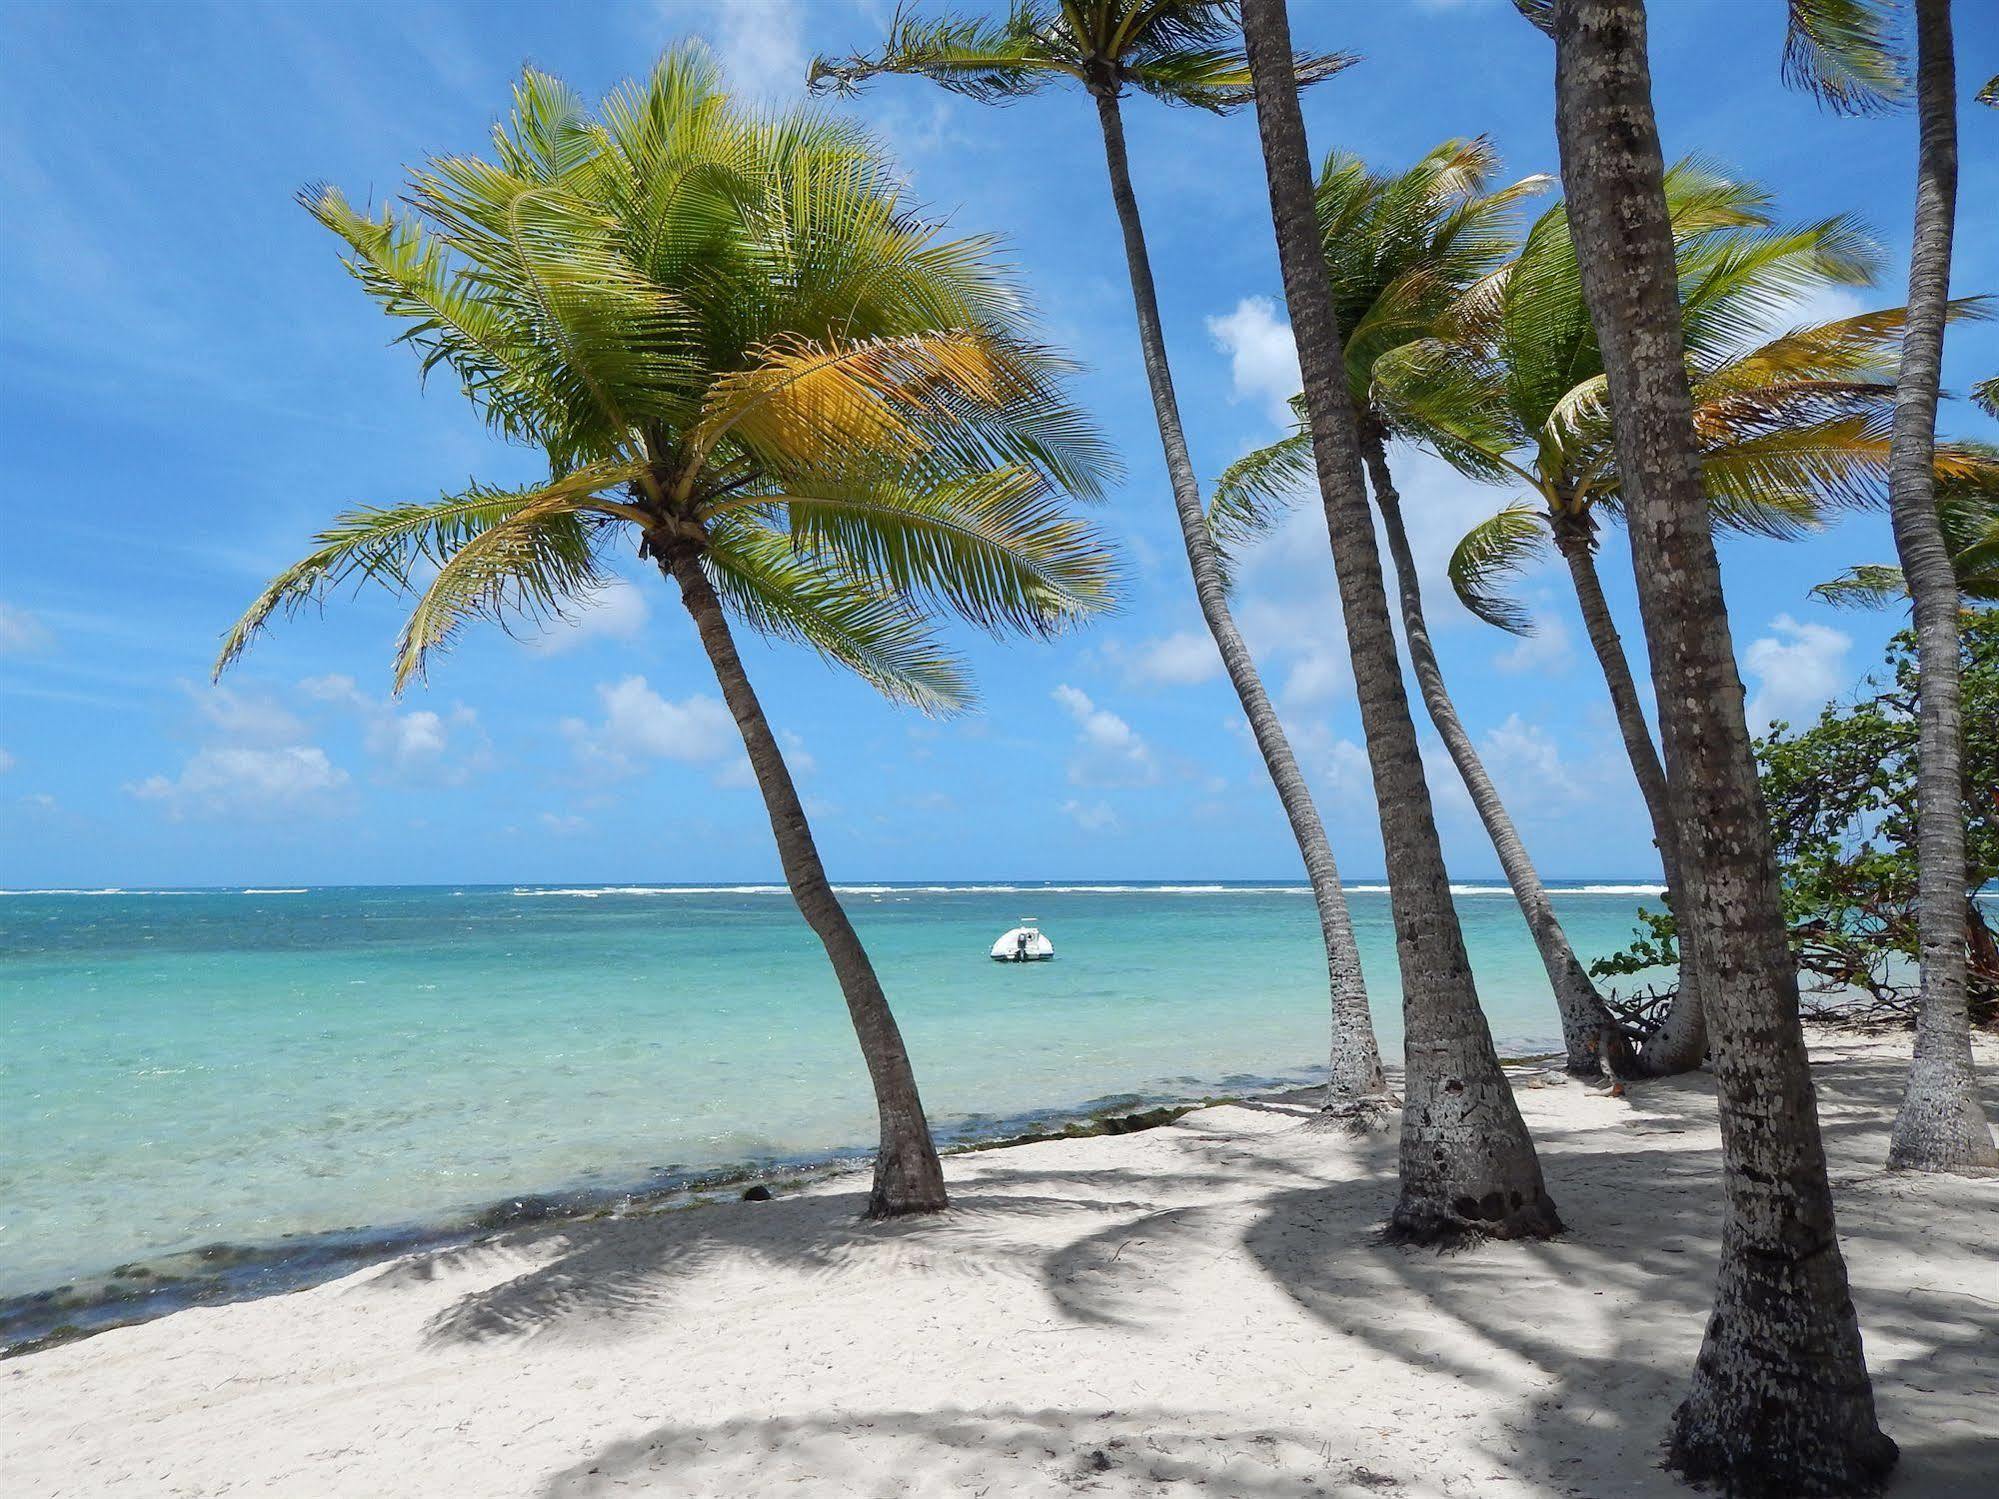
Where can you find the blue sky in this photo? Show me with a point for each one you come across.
(192, 385)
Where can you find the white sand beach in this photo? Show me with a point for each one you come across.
(1199, 1308)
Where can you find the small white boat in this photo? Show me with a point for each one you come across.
(1024, 944)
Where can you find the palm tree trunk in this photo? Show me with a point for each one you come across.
(1940, 1126)
(1468, 1166)
(1681, 1040)
(1780, 1401)
(1356, 1058)
(908, 1176)
(1590, 1037)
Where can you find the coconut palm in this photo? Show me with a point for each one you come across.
(1468, 1166)
(1780, 1401)
(747, 354)
(1851, 67)
(1513, 391)
(1179, 52)
(1400, 249)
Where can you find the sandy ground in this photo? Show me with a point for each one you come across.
(1196, 1309)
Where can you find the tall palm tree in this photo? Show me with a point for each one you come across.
(744, 350)
(1845, 58)
(1400, 249)
(1179, 52)
(1468, 1165)
(1780, 1401)
(1513, 391)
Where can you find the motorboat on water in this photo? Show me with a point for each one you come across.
(1026, 943)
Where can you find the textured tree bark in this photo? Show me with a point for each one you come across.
(1355, 1057)
(908, 1176)
(1681, 1040)
(1590, 1036)
(1940, 1126)
(1780, 1402)
(1467, 1164)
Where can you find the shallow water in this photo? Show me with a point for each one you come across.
(183, 1068)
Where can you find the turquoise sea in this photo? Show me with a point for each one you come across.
(231, 1080)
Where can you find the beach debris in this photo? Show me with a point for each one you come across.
(757, 1193)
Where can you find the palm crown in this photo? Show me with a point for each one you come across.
(1512, 388)
(1401, 249)
(1178, 51)
(736, 336)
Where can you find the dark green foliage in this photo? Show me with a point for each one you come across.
(1842, 800)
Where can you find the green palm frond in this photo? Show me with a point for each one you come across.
(997, 549)
(1989, 95)
(992, 61)
(529, 567)
(1178, 51)
(1496, 549)
(1867, 586)
(1257, 491)
(1985, 395)
(1842, 53)
(395, 545)
(782, 595)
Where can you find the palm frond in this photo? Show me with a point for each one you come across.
(1985, 396)
(1257, 491)
(1868, 586)
(997, 549)
(391, 546)
(992, 61)
(849, 621)
(529, 567)
(1842, 53)
(1496, 549)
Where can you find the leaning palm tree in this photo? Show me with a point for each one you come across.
(746, 353)
(1179, 52)
(1853, 68)
(1780, 1401)
(1513, 391)
(1400, 249)
(1467, 1163)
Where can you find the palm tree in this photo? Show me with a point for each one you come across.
(1468, 1166)
(745, 351)
(1780, 1401)
(1400, 249)
(1513, 391)
(1180, 52)
(1941, 1125)
(1840, 51)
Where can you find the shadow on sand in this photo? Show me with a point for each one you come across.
(1567, 1356)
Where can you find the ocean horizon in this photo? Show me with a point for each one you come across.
(210, 1092)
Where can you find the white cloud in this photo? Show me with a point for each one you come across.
(760, 44)
(563, 826)
(617, 611)
(1263, 360)
(639, 724)
(423, 747)
(1798, 669)
(1109, 751)
(21, 632)
(1544, 653)
(1519, 752)
(1091, 817)
(248, 780)
(7, 762)
(247, 716)
(1177, 660)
